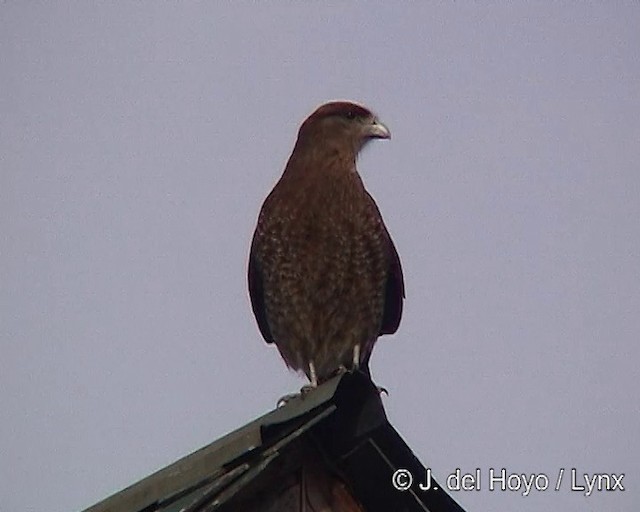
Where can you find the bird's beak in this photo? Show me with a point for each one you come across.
(377, 130)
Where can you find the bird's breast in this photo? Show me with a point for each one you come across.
(324, 241)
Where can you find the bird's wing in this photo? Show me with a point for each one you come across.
(256, 294)
(394, 293)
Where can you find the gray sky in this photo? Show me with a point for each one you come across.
(137, 143)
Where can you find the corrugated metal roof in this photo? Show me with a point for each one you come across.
(343, 420)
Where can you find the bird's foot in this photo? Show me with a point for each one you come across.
(286, 399)
(313, 384)
(305, 390)
(340, 370)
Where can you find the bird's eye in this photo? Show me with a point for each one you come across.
(350, 114)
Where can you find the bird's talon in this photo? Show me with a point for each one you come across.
(305, 390)
(282, 401)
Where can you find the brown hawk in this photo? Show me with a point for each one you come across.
(324, 276)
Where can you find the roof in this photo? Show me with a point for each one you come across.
(341, 425)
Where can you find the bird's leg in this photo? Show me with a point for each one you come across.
(356, 357)
(313, 378)
(356, 365)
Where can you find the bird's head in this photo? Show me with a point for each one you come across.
(341, 126)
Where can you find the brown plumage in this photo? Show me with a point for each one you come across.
(324, 276)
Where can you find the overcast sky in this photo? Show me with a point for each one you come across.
(138, 141)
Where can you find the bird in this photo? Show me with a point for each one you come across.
(324, 276)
